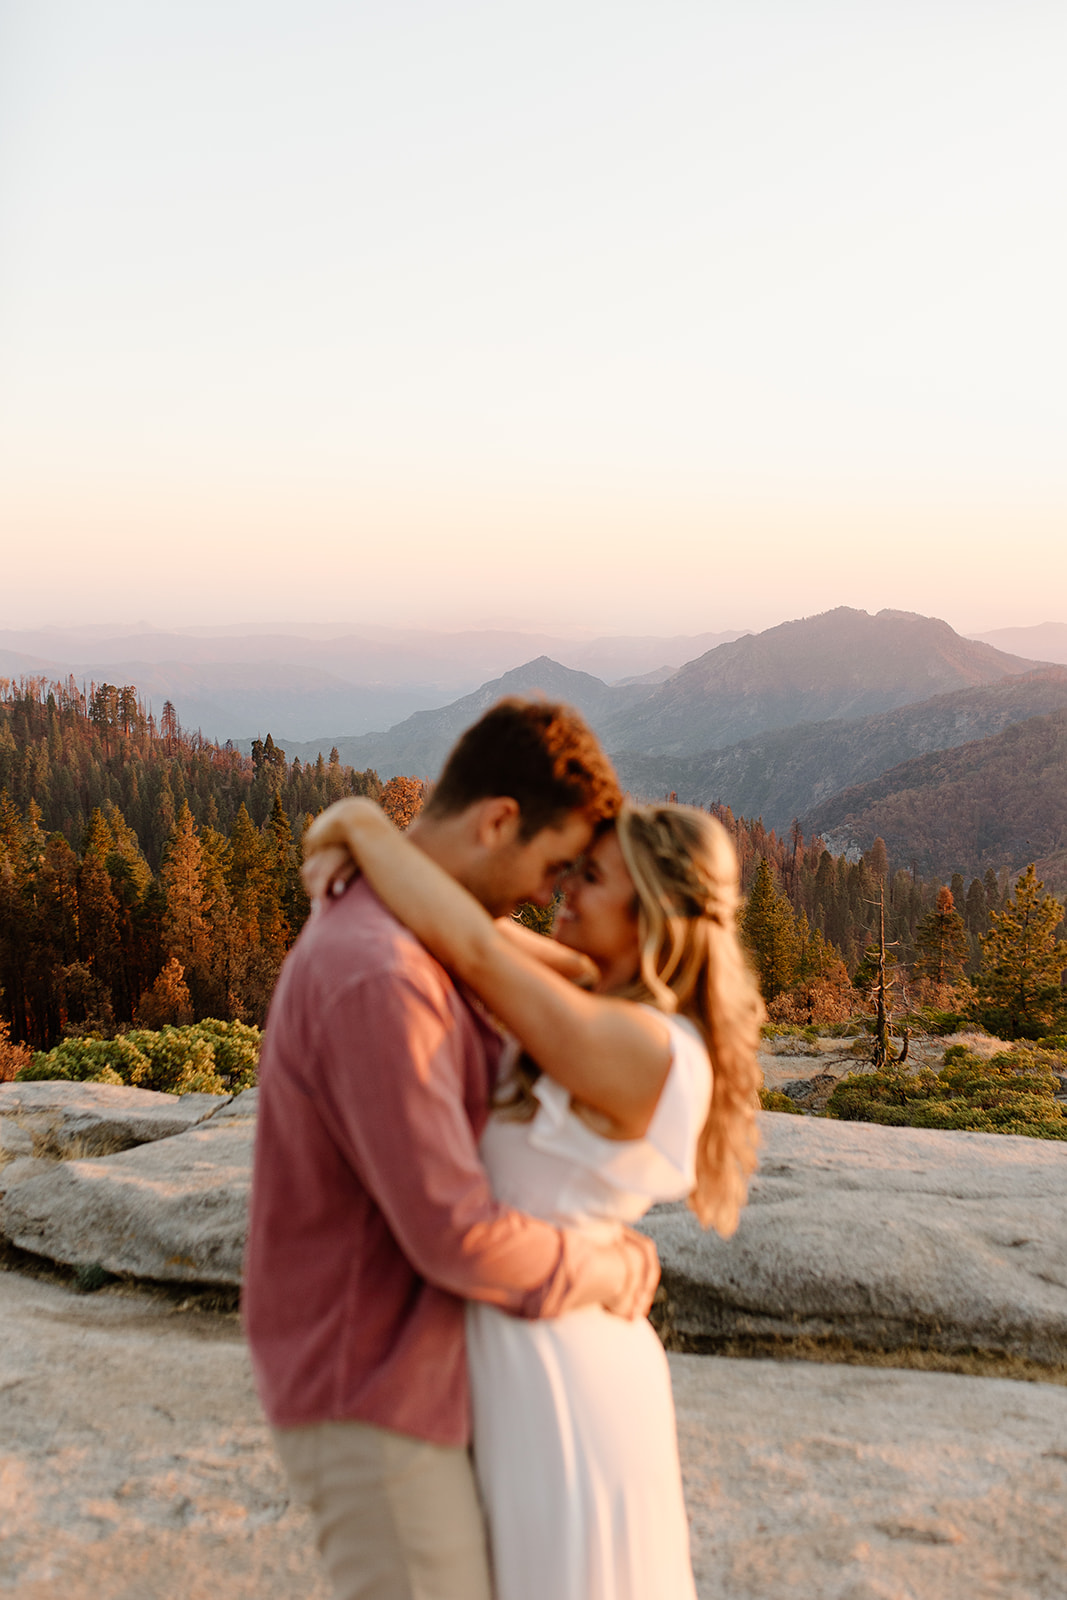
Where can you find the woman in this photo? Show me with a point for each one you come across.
(641, 1091)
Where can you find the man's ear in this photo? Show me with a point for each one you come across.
(498, 822)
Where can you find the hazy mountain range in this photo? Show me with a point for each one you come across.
(1045, 641)
(830, 719)
(236, 684)
(856, 724)
(842, 664)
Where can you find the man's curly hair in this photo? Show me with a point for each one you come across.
(539, 753)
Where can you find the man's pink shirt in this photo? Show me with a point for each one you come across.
(371, 1217)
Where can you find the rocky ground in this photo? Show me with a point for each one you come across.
(134, 1465)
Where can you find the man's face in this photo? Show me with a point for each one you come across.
(530, 869)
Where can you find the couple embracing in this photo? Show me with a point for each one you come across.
(459, 1120)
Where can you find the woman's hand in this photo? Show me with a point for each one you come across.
(328, 871)
(331, 844)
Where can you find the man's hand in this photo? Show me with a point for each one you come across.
(638, 1276)
(621, 1274)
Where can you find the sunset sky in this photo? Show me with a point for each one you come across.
(653, 318)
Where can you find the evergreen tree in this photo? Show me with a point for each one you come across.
(876, 860)
(1019, 983)
(942, 943)
(222, 984)
(185, 930)
(401, 800)
(98, 926)
(769, 931)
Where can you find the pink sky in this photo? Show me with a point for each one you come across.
(543, 315)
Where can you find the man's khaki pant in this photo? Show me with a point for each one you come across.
(395, 1518)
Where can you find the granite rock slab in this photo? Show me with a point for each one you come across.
(64, 1120)
(174, 1209)
(884, 1237)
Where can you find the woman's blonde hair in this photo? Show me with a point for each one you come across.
(685, 873)
(687, 894)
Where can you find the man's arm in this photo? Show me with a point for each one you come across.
(393, 1081)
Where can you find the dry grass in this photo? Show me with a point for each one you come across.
(84, 1147)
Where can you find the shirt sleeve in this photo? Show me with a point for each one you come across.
(393, 1085)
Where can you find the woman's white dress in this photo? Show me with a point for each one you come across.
(574, 1433)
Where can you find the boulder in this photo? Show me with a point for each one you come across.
(174, 1209)
(883, 1237)
(68, 1120)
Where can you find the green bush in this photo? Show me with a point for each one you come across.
(236, 1050)
(207, 1057)
(177, 1061)
(1014, 1092)
(929, 1020)
(775, 1100)
(87, 1061)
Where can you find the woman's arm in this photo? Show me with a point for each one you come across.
(611, 1054)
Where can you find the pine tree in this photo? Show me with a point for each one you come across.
(1023, 963)
(168, 1002)
(401, 800)
(221, 985)
(876, 860)
(185, 934)
(821, 989)
(98, 926)
(942, 943)
(769, 930)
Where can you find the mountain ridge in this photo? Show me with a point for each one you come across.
(840, 664)
(785, 773)
(837, 659)
(990, 802)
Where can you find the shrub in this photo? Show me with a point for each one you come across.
(202, 1058)
(852, 1029)
(929, 1020)
(775, 1100)
(1013, 1092)
(177, 1061)
(13, 1057)
(87, 1061)
(235, 1046)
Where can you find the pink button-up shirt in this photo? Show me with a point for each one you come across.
(371, 1217)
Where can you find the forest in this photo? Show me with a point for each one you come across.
(149, 876)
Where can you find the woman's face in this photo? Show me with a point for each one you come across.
(599, 912)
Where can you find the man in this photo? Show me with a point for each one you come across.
(371, 1217)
